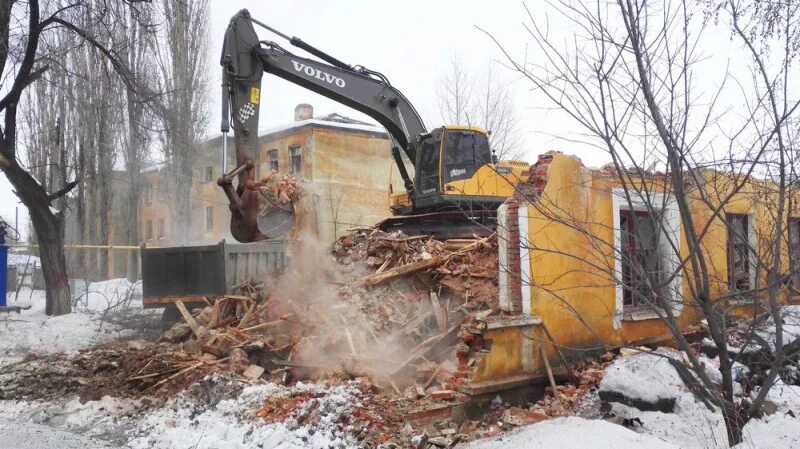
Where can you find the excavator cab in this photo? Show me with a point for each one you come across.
(445, 156)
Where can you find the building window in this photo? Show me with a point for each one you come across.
(209, 174)
(641, 257)
(739, 253)
(272, 159)
(149, 230)
(296, 161)
(161, 228)
(647, 231)
(148, 194)
(209, 218)
(794, 251)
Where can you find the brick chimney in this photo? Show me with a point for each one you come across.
(303, 111)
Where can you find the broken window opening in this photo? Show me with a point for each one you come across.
(738, 251)
(642, 258)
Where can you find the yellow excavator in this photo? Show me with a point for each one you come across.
(457, 183)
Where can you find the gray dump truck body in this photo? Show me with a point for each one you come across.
(190, 273)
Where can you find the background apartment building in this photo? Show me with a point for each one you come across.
(346, 164)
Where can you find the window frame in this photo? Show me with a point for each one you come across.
(793, 248)
(295, 151)
(270, 160)
(148, 230)
(629, 299)
(208, 174)
(209, 218)
(749, 248)
(161, 229)
(670, 232)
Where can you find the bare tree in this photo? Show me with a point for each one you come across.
(181, 54)
(481, 99)
(628, 77)
(22, 27)
(138, 29)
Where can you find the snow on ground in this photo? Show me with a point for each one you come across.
(31, 331)
(692, 425)
(647, 378)
(206, 417)
(233, 424)
(791, 327)
(572, 433)
(93, 418)
(18, 435)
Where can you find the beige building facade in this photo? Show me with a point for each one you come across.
(346, 167)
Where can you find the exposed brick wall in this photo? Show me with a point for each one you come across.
(510, 268)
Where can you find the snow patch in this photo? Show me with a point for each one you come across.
(32, 331)
(572, 433)
(645, 376)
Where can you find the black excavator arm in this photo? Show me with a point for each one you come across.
(245, 58)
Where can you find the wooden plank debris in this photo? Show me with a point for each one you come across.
(188, 317)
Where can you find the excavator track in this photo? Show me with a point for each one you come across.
(445, 224)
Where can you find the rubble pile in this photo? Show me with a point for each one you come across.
(391, 307)
(130, 370)
(280, 189)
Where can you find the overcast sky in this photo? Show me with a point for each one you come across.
(411, 42)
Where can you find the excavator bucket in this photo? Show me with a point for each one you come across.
(275, 220)
(278, 196)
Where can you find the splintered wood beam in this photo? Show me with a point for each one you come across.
(403, 270)
(187, 317)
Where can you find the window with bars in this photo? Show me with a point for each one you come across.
(296, 161)
(739, 252)
(642, 258)
(272, 160)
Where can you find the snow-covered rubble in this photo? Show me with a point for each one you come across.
(234, 424)
(646, 377)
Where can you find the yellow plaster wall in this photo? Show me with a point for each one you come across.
(572, 291)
